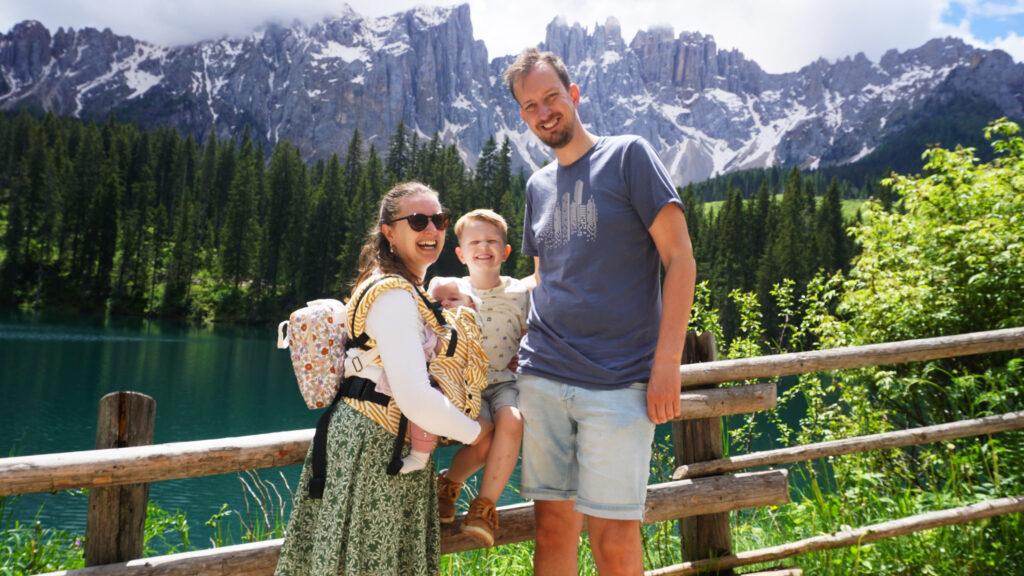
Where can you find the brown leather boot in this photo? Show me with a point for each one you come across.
(481, 521)
(447, 495)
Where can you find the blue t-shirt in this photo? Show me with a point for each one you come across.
(594, 317)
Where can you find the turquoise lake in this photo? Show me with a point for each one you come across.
(207, 382)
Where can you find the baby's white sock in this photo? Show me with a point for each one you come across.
(416, 460)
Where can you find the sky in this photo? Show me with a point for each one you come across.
(780, 35)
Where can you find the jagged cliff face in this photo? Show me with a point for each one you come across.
(707, 111)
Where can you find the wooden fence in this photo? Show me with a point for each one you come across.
(701, 490)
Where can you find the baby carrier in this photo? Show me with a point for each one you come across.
(459, 370)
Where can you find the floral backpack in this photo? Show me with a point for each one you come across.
(316, 341)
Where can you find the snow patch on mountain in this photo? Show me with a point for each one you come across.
(707, 111)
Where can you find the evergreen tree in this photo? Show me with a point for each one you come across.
(758, 222)
(353, 168)
(451, 183)
(696, 225)
(136, 230)
(207, 178)
(329, 217)
(165, 180)
(503, 172)
(12, 271)
(316, 265)
(829, 236)
(183, 258)
(103, 227)
(485, 181)
(227, 156)
(285, 217)
(788, 254)
(399, 162)
(360, 210)
(89, 178)
(239, 237)
(731, 267)
(429, 162)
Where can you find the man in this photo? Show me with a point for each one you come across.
(600, 362)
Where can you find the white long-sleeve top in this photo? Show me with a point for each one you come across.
(395, 324)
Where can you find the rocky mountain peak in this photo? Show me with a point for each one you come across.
(706, 109)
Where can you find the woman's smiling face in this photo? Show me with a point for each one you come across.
(418, 250)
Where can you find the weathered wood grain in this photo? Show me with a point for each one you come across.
(885, 440)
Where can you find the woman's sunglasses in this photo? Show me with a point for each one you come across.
(418, 222)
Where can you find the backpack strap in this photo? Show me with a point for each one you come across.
(361, 340)
(395, 465)
(436, 308)
(351, 387)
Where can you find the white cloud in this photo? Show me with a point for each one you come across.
(1012, 44)
(780, 35)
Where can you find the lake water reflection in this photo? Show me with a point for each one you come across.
(207, 383)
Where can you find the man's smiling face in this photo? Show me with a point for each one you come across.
(547, 106)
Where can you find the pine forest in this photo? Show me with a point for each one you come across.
(109, 218)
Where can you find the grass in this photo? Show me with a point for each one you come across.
(994, 546)
(34, 548)
(849, 207)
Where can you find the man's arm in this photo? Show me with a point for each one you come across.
(672, 239)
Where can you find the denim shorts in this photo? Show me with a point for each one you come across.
(591, 446)
(496, 396)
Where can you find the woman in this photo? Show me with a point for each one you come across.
(369, 522)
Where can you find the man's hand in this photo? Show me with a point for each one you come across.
(663, 392)
(513, 363)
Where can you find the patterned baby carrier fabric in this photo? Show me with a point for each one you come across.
(460, 370)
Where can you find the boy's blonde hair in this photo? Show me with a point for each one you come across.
(483, 215)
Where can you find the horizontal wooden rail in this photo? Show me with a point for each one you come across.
(664, 502)
(254, 559)
(86, 469)
(852, 357)
(891, 529)
(142, 464)
(715, 402)
(911, 437)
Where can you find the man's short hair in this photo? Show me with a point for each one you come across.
(483, 215)
(530, 58)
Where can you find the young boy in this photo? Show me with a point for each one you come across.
(503, 306)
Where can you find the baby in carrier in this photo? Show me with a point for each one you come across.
(451, 297)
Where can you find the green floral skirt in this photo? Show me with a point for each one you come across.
(367, 522)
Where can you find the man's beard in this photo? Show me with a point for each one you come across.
(560, 139)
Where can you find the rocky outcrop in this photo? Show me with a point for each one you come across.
(707, 111)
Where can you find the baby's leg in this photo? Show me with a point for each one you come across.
(422, 445)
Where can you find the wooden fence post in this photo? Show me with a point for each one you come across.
(115, 526)
(705, 536)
